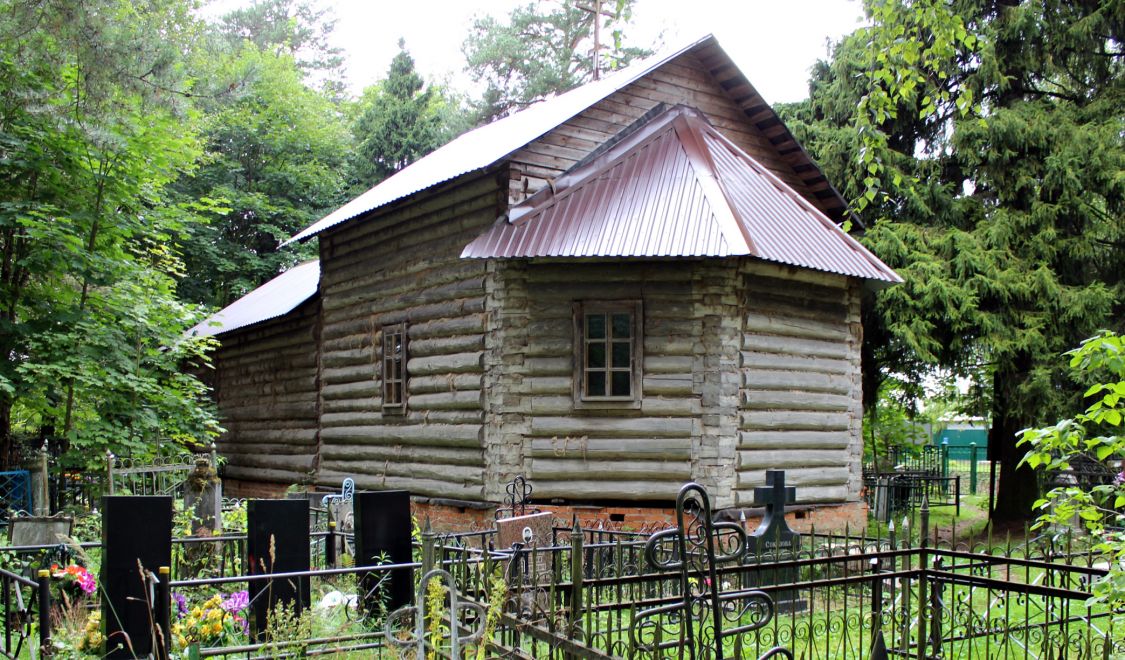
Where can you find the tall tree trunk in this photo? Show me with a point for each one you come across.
(6, 434)
(1019, 485)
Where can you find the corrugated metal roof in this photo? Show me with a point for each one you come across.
(676, 188)
(279, 296)
(489, 144)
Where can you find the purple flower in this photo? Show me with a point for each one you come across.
(181, 605)
(1120, 478)
(237, 602)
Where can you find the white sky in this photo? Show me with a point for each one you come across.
(774, 42)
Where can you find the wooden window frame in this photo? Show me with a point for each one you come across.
(394, 407)
(581, 342)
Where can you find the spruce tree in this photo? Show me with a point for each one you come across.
(400, 120)
(982, 141)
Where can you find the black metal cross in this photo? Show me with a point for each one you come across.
(518, 499)
(774, 496)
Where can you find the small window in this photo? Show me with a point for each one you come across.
(394, 368)
(608, 352)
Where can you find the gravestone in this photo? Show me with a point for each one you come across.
(136, 534)
(203, 496)
(773, 540)
(277, 541)
(340, 507)
(382, 534)
(39, 530)
(525, 533)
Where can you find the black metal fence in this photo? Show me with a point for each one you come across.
(695, 592)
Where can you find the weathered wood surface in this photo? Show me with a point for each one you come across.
(266, 394)
(590, 452)
(800, 384)
(404, 265)
(686, 81)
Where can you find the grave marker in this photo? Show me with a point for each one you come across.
(136, 533)
(773, 539)
(277, 541)
(524, 534)
(383, 531)
(39, 530)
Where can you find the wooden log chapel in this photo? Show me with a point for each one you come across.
(635, 284)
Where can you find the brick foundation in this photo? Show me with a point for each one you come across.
(445, 517)
(451, 516)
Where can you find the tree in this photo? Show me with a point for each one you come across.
(297, 28)
(399, 120)
(94, 123)
(1092, 437)
(275, 155)
(982, 141)
(543, 49)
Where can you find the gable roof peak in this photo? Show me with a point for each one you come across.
(676, 187)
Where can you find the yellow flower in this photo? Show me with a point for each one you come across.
(214, 615)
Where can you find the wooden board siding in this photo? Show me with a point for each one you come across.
(799, 399)
(686, 81)
(404, 266)
(265, 389)
(586, 453)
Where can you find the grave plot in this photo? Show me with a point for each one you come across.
(535, 587)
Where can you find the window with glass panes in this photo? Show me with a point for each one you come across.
(608, 352)
(394, 361)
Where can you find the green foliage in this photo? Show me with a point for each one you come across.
(542, 49)
(275, 152)
(982, 143)
(398, 121)
(1096, 435)
(94, 125)
(297, 28)
(497, 597)
(893, 423)
(437, 631)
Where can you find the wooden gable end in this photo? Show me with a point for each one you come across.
(686, 80)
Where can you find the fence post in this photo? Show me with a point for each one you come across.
(876, 598)
(923, 568)
(957, 494)
(44, 612)
(936, 613)
(576, 575)
(109, 470)
(41, 503)
(427, 547)
(973, 468)
(164, 610)
(945, 458)
(330, 545)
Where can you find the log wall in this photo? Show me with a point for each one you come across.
(800, 392)
(684, 80)
(266, 391)
(404, 265)
(587, 453)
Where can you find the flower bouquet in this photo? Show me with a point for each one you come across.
(218, 621)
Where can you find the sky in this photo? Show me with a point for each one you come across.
(774, 42)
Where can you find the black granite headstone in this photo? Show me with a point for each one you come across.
(773, 540)
(277, 541)
(382, 533)
(136, 532)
